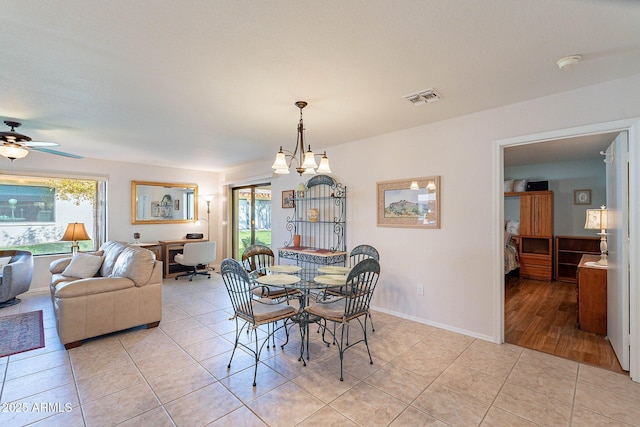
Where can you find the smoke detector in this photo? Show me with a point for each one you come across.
(568, 61)
(424, 97)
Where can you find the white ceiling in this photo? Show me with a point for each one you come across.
(560, 150)
(212, 84)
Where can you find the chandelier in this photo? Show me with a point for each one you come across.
(305, 160)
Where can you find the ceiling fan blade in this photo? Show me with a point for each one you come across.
(59, 153)
(40, 144)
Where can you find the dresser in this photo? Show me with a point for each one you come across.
(592, 296)
(536, 235)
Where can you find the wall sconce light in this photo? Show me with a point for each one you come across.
(306, 165)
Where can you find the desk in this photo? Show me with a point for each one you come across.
(169, 250)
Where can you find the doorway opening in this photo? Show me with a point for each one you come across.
(555, 139)
(251, 217)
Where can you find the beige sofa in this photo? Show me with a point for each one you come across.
(126, 291)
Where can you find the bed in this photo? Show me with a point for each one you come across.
(510, 253)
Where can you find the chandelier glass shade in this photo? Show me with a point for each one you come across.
(305, 160)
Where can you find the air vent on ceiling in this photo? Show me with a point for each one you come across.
(424, 97)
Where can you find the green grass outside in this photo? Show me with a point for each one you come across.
(51, 248)
(263, 237)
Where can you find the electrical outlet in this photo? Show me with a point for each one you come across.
(420, 290)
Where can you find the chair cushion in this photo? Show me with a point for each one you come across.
(83, 266)
(268, 312)
(329, 310)
(136, 264)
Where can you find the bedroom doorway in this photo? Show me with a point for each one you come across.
(552, 138)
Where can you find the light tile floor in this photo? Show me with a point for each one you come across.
(177, 374)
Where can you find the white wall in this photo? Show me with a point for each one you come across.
(564, 178)
(119, 176)
(456, 264)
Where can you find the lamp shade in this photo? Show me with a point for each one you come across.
(596, 219)
(75, 231)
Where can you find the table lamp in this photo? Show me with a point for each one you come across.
(75, 231)
(597, 220)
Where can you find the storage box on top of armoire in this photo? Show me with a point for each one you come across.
(538, 186)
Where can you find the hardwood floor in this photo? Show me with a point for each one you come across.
(543, 316)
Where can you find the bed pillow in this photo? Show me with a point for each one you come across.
(83, 266)
(520, 185)
(513, 227)
(508, 186)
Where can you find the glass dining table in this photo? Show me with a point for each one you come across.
(307, 290)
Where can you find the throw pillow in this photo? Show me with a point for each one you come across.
(83, 266)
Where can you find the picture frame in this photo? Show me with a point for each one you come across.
(409, 203)
(176, 205)
(287, 199)
(581, 197)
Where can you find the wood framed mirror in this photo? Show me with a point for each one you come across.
(163, 202)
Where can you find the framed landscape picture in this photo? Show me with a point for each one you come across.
(287, 199)
(413, 203)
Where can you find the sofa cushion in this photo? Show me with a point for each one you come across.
(112, 251)
(83, 266)
(92, 286)
(136, 264)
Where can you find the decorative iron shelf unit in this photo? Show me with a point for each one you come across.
(319, 218)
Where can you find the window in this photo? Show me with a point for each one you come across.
(35, 211)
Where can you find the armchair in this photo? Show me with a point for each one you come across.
(16, 276)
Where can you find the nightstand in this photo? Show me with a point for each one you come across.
(592, 296)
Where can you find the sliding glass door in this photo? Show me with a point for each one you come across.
(251, 217)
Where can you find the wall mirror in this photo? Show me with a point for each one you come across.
(163, 202)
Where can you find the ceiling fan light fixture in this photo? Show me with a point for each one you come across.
(13, 151)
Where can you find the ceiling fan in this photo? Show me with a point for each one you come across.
(16, 146)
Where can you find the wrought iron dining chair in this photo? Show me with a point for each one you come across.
(257, 259)
(357, 254)
(250, 311)
(361, 282)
